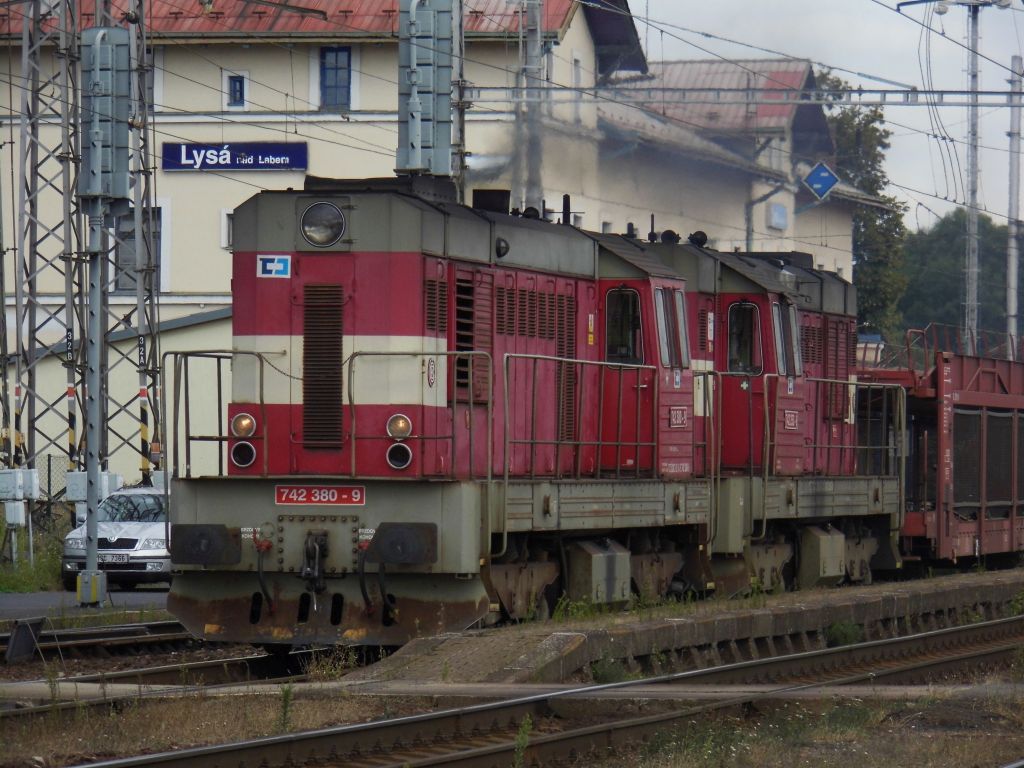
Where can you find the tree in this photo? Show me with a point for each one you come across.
(934, 266)
(861, 140)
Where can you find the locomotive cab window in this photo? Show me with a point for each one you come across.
(622, 327)
(787, 338)
(744, 339)
(671, 311)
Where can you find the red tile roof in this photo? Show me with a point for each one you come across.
(717, 73)
(356, 18)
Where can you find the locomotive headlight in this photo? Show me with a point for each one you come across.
(323, 224)
(399, 456)
(399, 426)
(243, 454)
(243, 425)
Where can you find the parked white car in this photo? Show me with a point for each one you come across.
(132, 546)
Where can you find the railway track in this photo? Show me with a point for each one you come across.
(208, 675)
(528, 728)
(109, 640)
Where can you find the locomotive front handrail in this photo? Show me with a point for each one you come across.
(452, 402)
(890, 418)
(577, 441)
(181, 379)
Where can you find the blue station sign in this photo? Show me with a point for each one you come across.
(241, 156)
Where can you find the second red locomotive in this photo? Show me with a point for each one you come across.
(441, 416)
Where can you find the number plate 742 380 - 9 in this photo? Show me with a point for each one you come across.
(346, 495)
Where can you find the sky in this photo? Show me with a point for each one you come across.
(865, 39)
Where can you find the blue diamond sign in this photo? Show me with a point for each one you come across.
(821, 180)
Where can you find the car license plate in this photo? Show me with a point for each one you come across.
(343, 495)
(106, 558)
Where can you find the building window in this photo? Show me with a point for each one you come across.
(606, 228)
(227, 228)
(236, 91)
(150, 73)
(235, 86)
(577, 221)
(577, 87)
(335, 79)
(124, 250)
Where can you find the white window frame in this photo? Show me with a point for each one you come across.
(166, 224)
(227, 216)
(158, 78)
(577, 84)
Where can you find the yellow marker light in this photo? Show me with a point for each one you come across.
(243, 425)
(399, 426)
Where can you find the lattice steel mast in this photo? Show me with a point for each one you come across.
(49, 284)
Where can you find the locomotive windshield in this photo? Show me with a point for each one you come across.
(671, 310)
(622, 330)
(787, 336)
(744, 339)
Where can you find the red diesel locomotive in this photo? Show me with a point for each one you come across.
(441, 416)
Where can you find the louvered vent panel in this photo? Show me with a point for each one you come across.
(565, 346)
(851, 350)
(435, 303)
(483, 330)
(810, 344)
(702, 330)
(547, 316)
(321, 366)
(510, 311)
(806, 344)
(463, 328)
(522, 311)
(501, 325)
(531, 323)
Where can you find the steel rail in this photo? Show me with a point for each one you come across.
(87, 638)
(208, 675)
(349, 743)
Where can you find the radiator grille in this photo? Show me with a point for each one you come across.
(321, 366)
(435, 305)
(566, 347)
(810, 345)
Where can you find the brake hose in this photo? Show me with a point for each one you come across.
(262, 547)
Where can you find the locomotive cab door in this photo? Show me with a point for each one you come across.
(742, 412)
(628, 384)
(675, 382)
